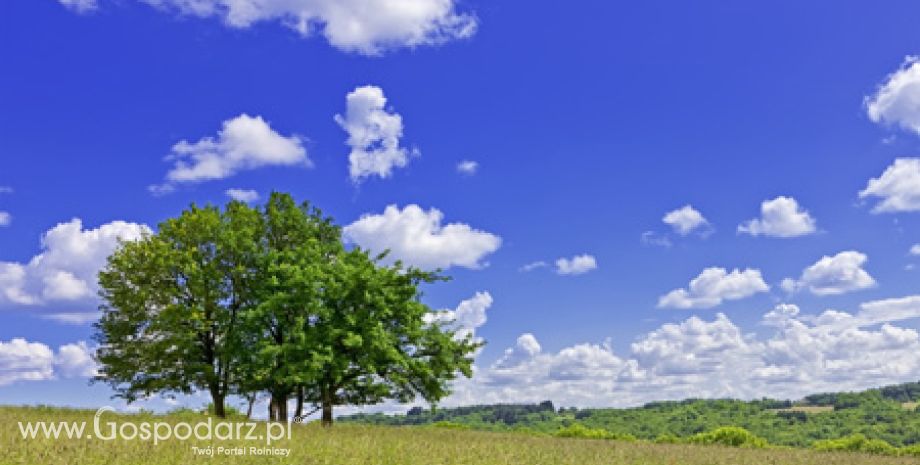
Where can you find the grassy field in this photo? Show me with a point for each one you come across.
(381, 445)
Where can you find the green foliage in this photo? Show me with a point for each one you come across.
(729, 436)
(667, 438)
(244, 300)
(873, 413)
(450, 425)
(856, 443)
(577, 430)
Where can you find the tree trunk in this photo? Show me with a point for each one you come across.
(327, 408)
(282, 408)
(298, 413)
(327, 414)
(279, 407)
(252, 401)
(217, 399)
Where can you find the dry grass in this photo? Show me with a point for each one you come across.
(367, 445)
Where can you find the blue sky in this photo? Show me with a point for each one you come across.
(588, 123)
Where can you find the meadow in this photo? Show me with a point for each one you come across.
(355, 444)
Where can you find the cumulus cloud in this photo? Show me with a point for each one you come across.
(780, 217)
(898, 188)
(712, 358)
(66, 268)
(373, 135)
(418, 238)
(75, 361)
(685, 220)
(243, 195)
(897, 100)
(713, 286)
(579, 264)
(839, 274)
(21, 360)
(369, 27)
(780, 314)
(915, 249)
(244, 143)
(469, 315)
(467, 167)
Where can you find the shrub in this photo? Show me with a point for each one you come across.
(732, 436)
(856, 443)
(667, 438)
(912, 450)
(450, 425)
(578, 430)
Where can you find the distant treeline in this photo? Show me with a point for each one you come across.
(885, 414)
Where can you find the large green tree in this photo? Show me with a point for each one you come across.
(300, 247)
(371, 341)
(245, 300)
(173, 302)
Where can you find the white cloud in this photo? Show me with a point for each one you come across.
(714, 358)
(373, 134)
(579, 264)
(533, 266)
(244, 143)
(692, 347)
(469, 315)
(21, 360)
(243, 195)
(898, 187)
(839, 274)
(780, 217)
(66, 268)
(418, 238)
(781, 314)
(685, 220)
(888, 310)
(80, 6)
(713, 286)
(75, 361)
(915, 249)
(369, 27)
(6, 190)
(467, 167)
(897, 100)
(73, 318)
(5, 218)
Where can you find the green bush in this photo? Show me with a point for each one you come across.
(578, 430)
(732, 436)
(450, 425)
(912, 450)
(856, 443)
(667, 438)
